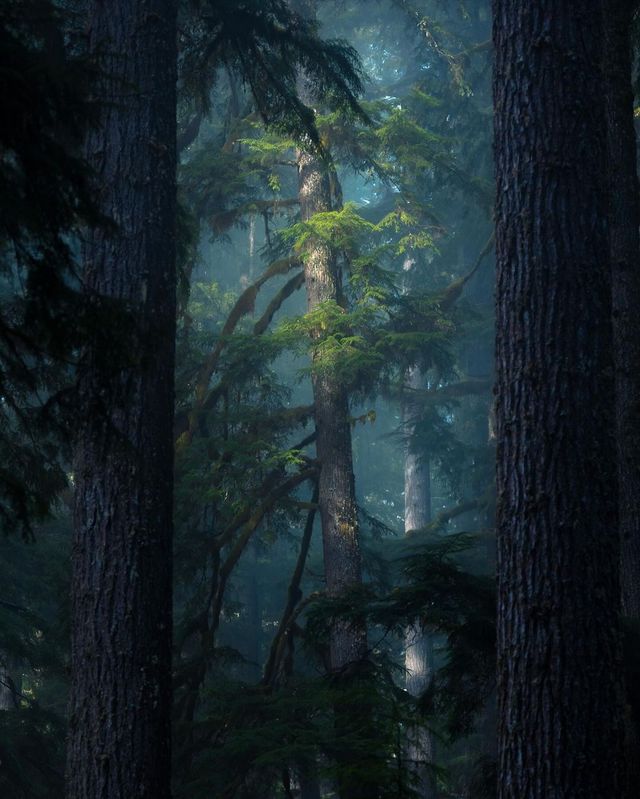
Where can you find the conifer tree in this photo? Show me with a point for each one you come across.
(558, 649)
(624, 207)
(119, 727)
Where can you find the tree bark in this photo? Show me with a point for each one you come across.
(8, 689)
(119, 736)
(559, 681)
(625, 265)
(418, 646)
(337, 498)
(336, 482)
(625, 270)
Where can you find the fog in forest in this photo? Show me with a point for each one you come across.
(281, 333)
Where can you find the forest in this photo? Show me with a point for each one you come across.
(319, 399)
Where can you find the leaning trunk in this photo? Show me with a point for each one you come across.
(119, 734)
(559, 676)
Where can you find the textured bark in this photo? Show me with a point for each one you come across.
(625, 271)
(8, 688)
(119, 737)
(625, 265)
(336, 482)
(418, 647)
(560, 721)
(337, 499)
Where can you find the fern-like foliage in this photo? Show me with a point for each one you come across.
(268, 44)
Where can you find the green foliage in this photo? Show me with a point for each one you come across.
(268, 44)
(414, 169)
(288, 727)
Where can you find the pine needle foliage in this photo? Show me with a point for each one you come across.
(268, 44)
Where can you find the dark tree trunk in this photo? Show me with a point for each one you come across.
(560, 721)
(8, 688)
(119, 738)
(625, 270)
(625, 265)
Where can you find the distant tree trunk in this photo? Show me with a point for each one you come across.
(625, 264)
(560, 717)
(418, 646)
(120, 706)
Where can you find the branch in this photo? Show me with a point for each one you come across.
(190, 132)
(452, 293)
(244, 305)
(445, 516)
(225, 219)
(245, 536)
(285, 292)
(294, 595)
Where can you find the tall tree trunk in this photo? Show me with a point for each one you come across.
(119, 737)
(560, 721)
(625, 269)
(625, 265)
(418, 646)
(337, 496)
(336, 483)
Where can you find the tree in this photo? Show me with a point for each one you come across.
(625, 264)
(624, 206)
(558, 648)
(337, 499)
(121, 619)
